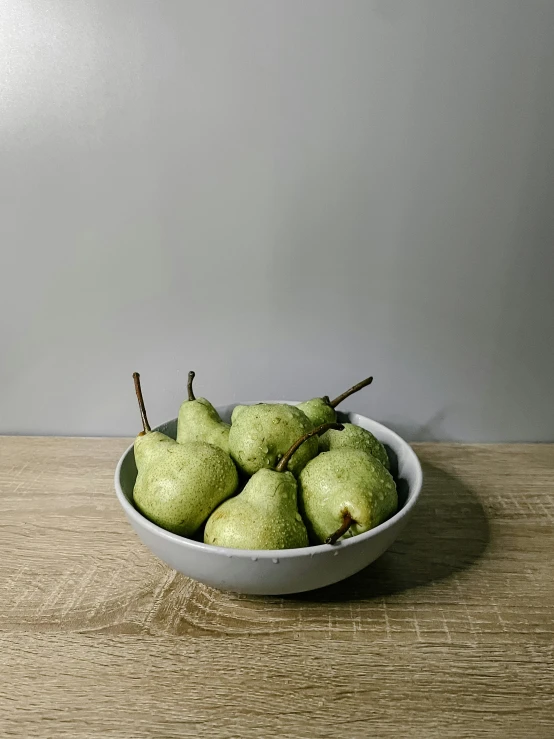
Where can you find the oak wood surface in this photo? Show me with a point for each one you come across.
(449, 634)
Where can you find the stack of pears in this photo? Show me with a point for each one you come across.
(277, 477)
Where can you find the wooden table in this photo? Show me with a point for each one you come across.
(449, 634)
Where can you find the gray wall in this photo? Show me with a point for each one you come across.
(285, 195)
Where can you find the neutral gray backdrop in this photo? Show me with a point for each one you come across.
(286, 196)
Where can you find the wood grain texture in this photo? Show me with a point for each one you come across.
(449, 634)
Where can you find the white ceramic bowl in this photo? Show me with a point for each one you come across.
(274, 572)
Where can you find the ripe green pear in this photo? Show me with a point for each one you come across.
(322, 410)
(354, 437)
(318, 410)
(265, 514)
(237, 410)
(179, 485)
(199, 421)
(261, 434)
(343, 493)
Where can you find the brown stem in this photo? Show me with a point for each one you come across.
(189, 385)
(353, 389)
(138, 390)
(347, 522)
(285, 459)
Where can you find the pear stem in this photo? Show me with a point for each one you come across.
(347, 522)
(189, 385)
(285, 459)
(351, 391)
(138, 390)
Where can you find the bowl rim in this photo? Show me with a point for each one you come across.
(257, 554)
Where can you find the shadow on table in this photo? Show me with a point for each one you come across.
(447, 533)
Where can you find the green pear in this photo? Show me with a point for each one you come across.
(322, 410)
(265, 514)
(179, 485)
(318, 410)
(237, 410)
(354, 437)
(343, 493)
(260, 435)
(199, 421)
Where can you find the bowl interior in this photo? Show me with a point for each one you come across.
(405, 467)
